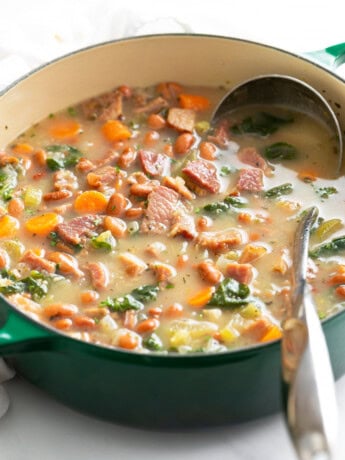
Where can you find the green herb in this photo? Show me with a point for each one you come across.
(325, 192)
(72, 111)
(36, 284)
(65, 156)
(284, 189)
(261, 123)
(8, 182)
(170, 286)
(153, 342)
(104, 240)
(327, 249)
(122, 304)
(146, 293)
(227, 170)
(54, 238)
(280, 151)
(227, 205)
(230, 294)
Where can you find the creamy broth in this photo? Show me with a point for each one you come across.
(130, 222)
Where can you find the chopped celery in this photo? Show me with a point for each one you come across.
(202, 127)
(327, 228)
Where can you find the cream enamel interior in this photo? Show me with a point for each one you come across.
(190, 59)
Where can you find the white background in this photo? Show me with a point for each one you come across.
(32, 32)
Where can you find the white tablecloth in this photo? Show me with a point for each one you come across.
(35, 31)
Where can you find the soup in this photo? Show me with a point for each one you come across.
(129, 222)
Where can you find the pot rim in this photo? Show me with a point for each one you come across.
(152, 357)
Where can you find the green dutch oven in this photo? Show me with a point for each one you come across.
(147, 389)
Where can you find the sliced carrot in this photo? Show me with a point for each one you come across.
(91, 201)
(8, 226)
(114, 130)
(64, 129)
(274, 333)
(193, 102)
(22, 148)
(128, 341)
(202, 297)
(44, 224)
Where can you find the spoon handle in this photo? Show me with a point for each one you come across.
(310, 405)
(308, 384)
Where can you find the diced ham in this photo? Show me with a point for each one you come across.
(114, 110)
(162, 202)
(221, 135)
(96, 106)
(181, 119)
(178, 184)
(183, 224)
(109, 158)
(252, 157)
(250, 180)
(221, 241)
(36, 262)
(73, 231)
(102, 176)
(243, 273)
(134, 266)
(99, 275)
(154, 164)
(155, 105)
(84, 165)
(203, 174)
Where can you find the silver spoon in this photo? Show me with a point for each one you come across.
(283, 90)
(308, 383)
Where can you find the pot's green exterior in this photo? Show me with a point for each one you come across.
(152, 390)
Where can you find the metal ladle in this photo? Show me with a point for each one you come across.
(284, 91)
(307, 378)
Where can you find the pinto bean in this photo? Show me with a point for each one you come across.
(58, 195)
(208, 151)
(173, 311)
(134, 213)
(117, 226)
(147, 325)
(128, 341)
(15, 207)
(63, 324)
(203, 223)
(151, 138)
(156, 121)
(89, 296)
(85, 166)
(209, 272)
(84, 321)
(68, 265)
(99, 275)
(141, 189)
(183, 143)
(60, 309)
(40, 157)
(117, 204)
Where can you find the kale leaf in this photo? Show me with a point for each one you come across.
(230, 294)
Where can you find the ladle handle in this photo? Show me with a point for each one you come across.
(332, 56)
(310, 400)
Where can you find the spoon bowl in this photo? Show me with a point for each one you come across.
(283, 90)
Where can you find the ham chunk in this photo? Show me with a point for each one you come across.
(221, 135)
(99, 275)
(154, 164)
(183, 224)
(250, 180)
(65, 180)
(162, 203)
(66, 263)
(102, 176)
(72, 232)
(221, 241)
(252, 157)
(36, 262)
(203, 174)
(181, 119)
(163, 272)
(101, 106)
(114, 110)
(155, 105)
(243, 273)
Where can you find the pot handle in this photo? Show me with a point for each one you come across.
(19, 334)
(332, 56)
